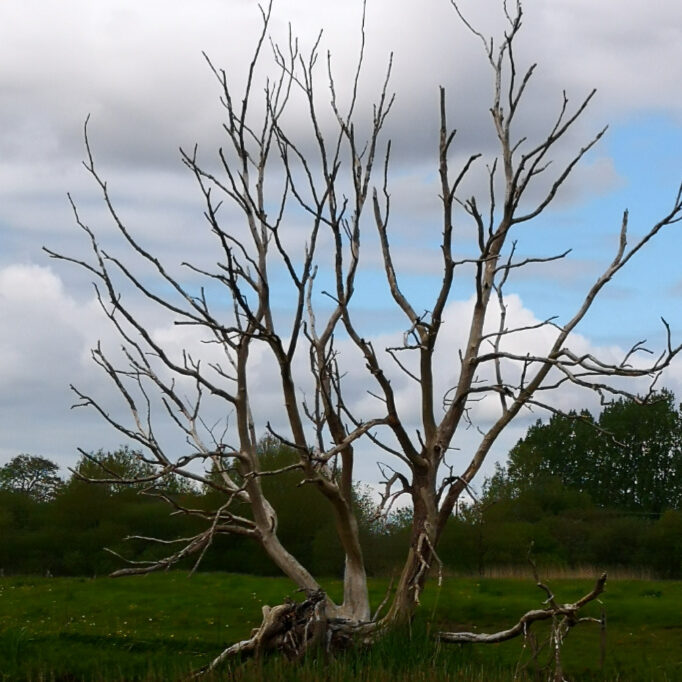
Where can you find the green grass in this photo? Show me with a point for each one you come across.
(161, 626)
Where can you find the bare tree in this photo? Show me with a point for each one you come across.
(276, 179)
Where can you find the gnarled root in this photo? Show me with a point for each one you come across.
(292, 629)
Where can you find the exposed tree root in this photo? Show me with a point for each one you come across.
(294, 628)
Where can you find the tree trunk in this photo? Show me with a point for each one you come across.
(421, 552)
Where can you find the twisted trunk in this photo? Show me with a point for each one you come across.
(421, 551)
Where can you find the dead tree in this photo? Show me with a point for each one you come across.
(276, 181)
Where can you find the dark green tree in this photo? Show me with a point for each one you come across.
(664, 544)
(629, 459)
(561, 448)
(34, 476)
(123, 469)
(639, 465)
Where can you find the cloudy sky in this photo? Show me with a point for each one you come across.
(137, 70)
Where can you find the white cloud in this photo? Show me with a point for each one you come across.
(40, 323)
(137, 68)
(43, 339)
(46, 334)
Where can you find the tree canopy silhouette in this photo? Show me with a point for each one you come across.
(629, 458)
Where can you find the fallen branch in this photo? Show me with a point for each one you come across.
(567, 612)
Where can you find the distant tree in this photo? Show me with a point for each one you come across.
(37, 477)
(562, 447)
(630, 458)
(124, 468)
(640, 464)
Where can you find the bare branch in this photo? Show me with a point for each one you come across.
(568, 613)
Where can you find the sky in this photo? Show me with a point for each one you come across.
(137, 70)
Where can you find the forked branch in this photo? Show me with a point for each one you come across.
(567, 613)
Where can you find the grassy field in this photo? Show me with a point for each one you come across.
(161, 626)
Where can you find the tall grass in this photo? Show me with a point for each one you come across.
(560, 572)
(162, 626)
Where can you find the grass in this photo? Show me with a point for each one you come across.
(581, 572)
(159, 627)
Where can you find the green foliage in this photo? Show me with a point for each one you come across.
(126, 469)
(67, 534)
(306, 524)
(640, 468)
(33, 476)
(664, 544)
(628, 459)
(588, 491)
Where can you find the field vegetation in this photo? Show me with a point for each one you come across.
(77, 626)
(161, 626)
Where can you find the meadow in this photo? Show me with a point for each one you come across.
(160, 627)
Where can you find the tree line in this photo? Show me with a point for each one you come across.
(603, 491)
